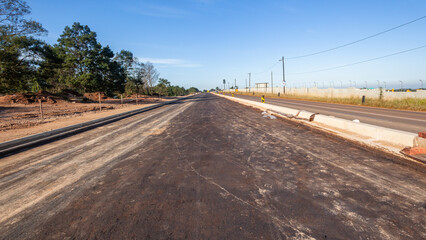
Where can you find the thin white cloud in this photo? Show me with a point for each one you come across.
(168, 61)
(171, 62)
(189, 65)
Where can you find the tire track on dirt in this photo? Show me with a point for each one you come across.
(65, 169)
(281, 223)
(362, 171)
(221, 170)
(329, 162)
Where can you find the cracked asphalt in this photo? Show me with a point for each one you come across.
(208, 168)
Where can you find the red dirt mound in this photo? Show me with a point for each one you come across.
(22, 98)
(95, 96)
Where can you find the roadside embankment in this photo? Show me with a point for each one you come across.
(10, 134)
(48, 136)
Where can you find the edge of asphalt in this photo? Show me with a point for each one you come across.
(383, 139)
(17, 145)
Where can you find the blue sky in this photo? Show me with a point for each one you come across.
(200, 42)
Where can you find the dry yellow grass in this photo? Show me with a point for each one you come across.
(413, 104)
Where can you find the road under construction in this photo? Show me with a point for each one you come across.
(209, 168)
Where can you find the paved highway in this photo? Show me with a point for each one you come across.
(396, 119)
(208, 168)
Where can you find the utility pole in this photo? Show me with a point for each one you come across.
(282, 60)
(422, 83)
(224, 84)
(384, 83)
(249, 81)
(246, 84)
(272, 82)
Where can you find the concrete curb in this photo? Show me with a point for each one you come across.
(376, 134)
(41, 138)
(306, 115)
(420, 142)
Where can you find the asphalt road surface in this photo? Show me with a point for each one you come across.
(208, 168)
(409, 121)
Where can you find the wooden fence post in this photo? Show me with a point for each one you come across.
(100, 104)
(41, 109)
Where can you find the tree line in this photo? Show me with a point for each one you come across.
(77, 62)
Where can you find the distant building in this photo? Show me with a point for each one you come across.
(261, 85)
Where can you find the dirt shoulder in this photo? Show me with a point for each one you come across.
(20, 120)
(208, 168)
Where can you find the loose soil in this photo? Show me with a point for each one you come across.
(208, 168)
(20, 114)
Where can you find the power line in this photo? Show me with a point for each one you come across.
(357, 41)
(275, 64)
(356, 63)
(348, 44)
